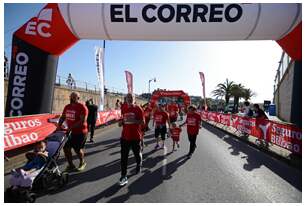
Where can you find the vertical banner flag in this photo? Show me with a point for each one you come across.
(129, 81)
(100, 73)
(203, 87)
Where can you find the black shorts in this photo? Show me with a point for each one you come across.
(76, 141)
(162, 130)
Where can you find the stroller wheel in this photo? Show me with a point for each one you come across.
(31, 198)
(63, 179)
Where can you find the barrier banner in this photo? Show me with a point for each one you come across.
(21, 131)
(225, 119)
(284, 135)
(212, 116)
(106, 116)
(25, 130)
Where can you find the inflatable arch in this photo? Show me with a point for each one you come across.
(156, 95)
(38, 44)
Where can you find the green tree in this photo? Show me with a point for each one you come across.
(224, 90)
(237, 91)
(248, 93)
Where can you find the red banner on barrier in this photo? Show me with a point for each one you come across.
(106, 116)
(283, 135)
(21, 131)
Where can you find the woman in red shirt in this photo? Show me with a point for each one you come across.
(161, 118)
(193, 121)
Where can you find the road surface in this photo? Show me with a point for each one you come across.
(223, 169)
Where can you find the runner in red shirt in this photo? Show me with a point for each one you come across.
(175, 135)
(173, 111)
(132, 122)
(161, 118)
(75, 115)
(193, 121)
(147, 114)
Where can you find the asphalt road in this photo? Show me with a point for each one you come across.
(222, 169)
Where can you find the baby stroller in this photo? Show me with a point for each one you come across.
(46, 178)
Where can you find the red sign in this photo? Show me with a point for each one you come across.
(284, 135)
(21, 131)
(129, 81)
(48, 31)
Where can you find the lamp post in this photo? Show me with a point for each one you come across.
(154, 79)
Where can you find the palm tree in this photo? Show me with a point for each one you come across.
(237, 92)
(224, 90)
(248, 93)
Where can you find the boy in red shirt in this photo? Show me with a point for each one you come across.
(161, 118)
(132, 123)
(175, 135)
(193, 121)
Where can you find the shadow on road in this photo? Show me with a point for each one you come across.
(256, 158)
(97, 173)
(144, 184)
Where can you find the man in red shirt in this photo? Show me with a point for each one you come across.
(173, 111)
(193, 121)
(161, 118)
(132, 122)
(75, 115)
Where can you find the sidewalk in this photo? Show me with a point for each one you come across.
(270, 148)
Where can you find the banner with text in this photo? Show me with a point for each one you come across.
(25, 130)
(287, 136)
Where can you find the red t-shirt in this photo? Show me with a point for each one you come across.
(161, 118)
(123, 107)
(173, 109)
(132, 131)
(147, 112)
(72, 113)
(175, 133)
(193, 123)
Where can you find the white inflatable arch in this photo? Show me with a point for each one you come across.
(40, 41)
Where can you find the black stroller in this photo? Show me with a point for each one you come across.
(46, 178)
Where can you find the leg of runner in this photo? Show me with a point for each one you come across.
(79, 150)
(156, 134)
(125, 148)
(137, 154)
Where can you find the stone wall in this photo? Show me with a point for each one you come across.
(61, 97)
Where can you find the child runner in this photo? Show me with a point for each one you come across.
(193, 121)
(175, 135)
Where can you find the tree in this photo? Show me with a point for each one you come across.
(237, 91)
(224, 90)
(248, 93)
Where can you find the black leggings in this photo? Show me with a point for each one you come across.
(192, 139)
(125, 149)
(91, 128)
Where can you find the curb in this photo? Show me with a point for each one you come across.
(270, 149)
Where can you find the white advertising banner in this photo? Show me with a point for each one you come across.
(100, 74)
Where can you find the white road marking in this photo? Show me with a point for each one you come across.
(165, 162)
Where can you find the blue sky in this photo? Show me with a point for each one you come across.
(174, 64)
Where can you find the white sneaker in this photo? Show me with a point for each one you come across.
(123, 181)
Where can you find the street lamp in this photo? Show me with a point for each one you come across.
(154, 79)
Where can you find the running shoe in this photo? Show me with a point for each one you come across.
(123, 181)
(91, 141)
(164, 147)
(157, 146)
(82, 166)
(70, 168)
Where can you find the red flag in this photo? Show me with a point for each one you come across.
(129, 81)
(203, 87)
